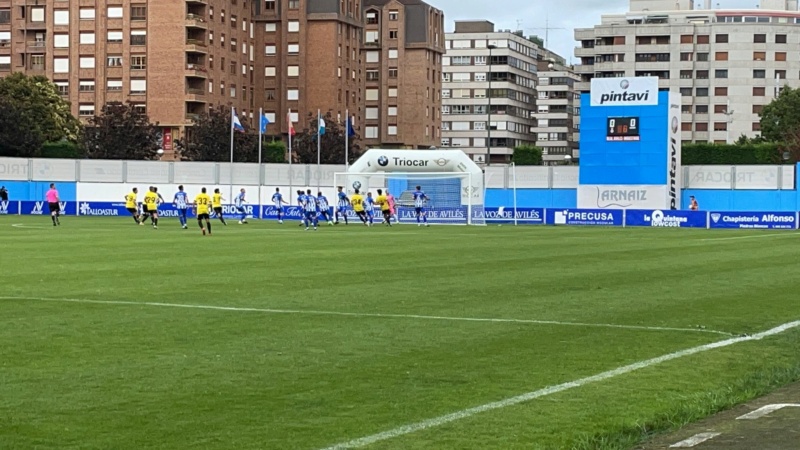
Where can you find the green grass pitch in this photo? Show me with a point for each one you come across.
(319, 338)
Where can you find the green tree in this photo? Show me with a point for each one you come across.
(527, 155)
(209, 138)
(274, 152)
(120, 132)
(44, 106)
(332, 144)
(781, 116)
(20, 135)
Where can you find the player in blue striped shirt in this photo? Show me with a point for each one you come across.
(239, 201)
(420, 199)
(324, 208)
(277, 199)
(181, 202)
(341, 207)
(369, 207)
(310, 206)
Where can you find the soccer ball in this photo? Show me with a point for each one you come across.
(356, 185)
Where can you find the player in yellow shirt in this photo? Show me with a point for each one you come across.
(130, 204)
(151, 200)
(216, 202)
(386, 208)
(357, 201)
(202, 204)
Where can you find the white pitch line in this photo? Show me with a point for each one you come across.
(766, 410)
(550, 390)
(374, 315)
(757, 236)
(694, 440)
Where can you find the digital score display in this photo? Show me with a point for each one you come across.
(622, 129)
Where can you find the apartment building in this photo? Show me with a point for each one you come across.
(402, 54)
(175, 59)
(488, 91)
(727, 64)
(557, 114)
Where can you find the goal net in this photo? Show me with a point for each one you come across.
(452, 198)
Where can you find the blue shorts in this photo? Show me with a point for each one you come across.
(240, 209)
(419, 210)
(342, 208)
(370, 213)
(279, 209)
(311, 215)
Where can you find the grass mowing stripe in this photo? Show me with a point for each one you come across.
(756, 236)
(463, 414)
(374, 315)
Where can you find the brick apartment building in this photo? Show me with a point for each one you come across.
(174, 59)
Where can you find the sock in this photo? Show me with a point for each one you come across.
(54, 219)
(209, 227)
(136, 219)
(417, 219)
(200, 224)
(425, 219)
(155, 222)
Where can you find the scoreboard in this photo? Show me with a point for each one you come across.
(622, 129)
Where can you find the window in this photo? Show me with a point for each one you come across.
(393, 73)
(372, 75)
(756, 126)
(759, 73)
(86, 86)
(703, 39)
(759, 56)
(720, 126)
(393, 15)
(270, 27)
(5, 16)
(780, 74)
(371, 37)
(138, 62)
(686, 92)
(371, 95)
(373, 56)
(138, 12)
(61, 17)
(371, 113)
(392, 53)
(686, 74)
(392, 130)
(269, 94)
(461, 60)
(702, 92)
(294, 4)
(686, 126)
(114, 12)
(138, 87)
(60, 41)
(371, 132)
(269, 71)
(392, 111)
(721, 38)
(392, 92)
(720, 109)
(114, 61)
(701, 126)
(63, 86)
(87, 62)
(720, 91)
(701, 109)
(270, 49)
(293, 71)
(760, 38)
(86, 38)
(138, 37)
(60, 65)
(704, 56)
(232, 90)
(780, 56)
(86, 110)
(687, 39)
(757, 109)
(759, 91)
(293, 94)
(702, 75)
(114, 36)
(721, 73)
(114, 85)
(86, 13)
(393, 34)
(293, 48)
(37, 14)
(780, 38)
(293, 26)
(721, 56)
(686, 56)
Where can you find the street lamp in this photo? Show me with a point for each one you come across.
(489, 97)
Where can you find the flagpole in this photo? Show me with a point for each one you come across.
(230, 179)
(346, 138)
(319, 146)
(291, 187)
(260, 139)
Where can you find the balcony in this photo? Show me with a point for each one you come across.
(197, 2)
(196, 70)
(36, 69)
(195, 94)
(196, 21)
(196, 45)
(35, 46)
(35, 25)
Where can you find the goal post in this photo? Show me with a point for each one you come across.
(450, 194)
(451, 180)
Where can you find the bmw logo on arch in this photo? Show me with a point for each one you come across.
(383, 161)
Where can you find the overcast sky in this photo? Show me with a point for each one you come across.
(532, 16)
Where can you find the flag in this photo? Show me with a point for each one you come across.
(235, 123)
(264, 123)
(291, 125)
(321, 126)
(350, 131)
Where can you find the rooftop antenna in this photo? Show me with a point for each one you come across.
(547, 29)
